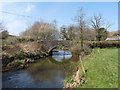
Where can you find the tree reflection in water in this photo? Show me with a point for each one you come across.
(49, 69)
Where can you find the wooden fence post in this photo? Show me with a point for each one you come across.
(80, 58)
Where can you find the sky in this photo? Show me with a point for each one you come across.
(62, 12)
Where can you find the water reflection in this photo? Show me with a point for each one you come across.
(61, 58)
(45, 73)
(61, 52)
(61, 55)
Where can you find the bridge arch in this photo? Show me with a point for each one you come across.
(49, 45)
(50, 50)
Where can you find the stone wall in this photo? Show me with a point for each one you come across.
(50, 44)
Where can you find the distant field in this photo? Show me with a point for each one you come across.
(102, 69)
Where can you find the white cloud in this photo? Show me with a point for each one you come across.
(30, 8)
(13, 23)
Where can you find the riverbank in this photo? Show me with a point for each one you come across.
(19, 55)
(44, 73)
(102, 69)
(19, 64)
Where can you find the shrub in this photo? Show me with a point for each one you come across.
(27, 59)
(77, 49)
(31, 40)
(21, 39)
(16, 63)
(25, 40)
(20, 56)
(3, 41)
(5, 47)
(6, 59)
(11, 40)
(104, 44)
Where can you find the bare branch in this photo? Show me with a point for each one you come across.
(108, 25)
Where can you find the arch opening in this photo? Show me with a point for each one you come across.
(61, 47)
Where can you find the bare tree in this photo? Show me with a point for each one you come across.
(80, 18)
(71, 32)
(97, 22)
(54, 24)
(41, 30)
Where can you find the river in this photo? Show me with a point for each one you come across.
(49, 72)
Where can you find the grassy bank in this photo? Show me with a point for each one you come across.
(102, 69)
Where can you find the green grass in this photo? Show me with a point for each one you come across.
(69, 79)
(114, 36)
(60, 47)
(17, 63)
(102, 69)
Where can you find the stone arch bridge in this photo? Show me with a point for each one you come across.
(51, 44)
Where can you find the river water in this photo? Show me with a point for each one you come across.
(49, 72)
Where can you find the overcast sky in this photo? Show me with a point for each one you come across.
(62, 12)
